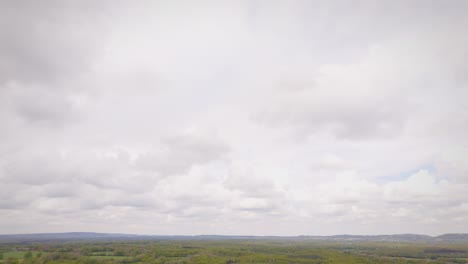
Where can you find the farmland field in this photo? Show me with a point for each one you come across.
(230, 251)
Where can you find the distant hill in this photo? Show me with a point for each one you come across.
(71, 236)
(381, 238)
(453, 237)
(89, 236)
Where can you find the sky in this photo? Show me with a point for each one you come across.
(234, 117)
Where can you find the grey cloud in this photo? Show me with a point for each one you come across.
(35, 169)
(378, 93)
(420, 196)
(125, 199)
(335, 105)
(52, 167)
(197, 212)
(71, 197)
(354, 122)
(260, 205)
(89, 181)
(62, 189)
(46, 51)
(250, 184)
(116, 113)
(178, 154)
(43, 105)
(15, 196)
(48, 41)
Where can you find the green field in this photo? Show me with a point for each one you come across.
(232, 251)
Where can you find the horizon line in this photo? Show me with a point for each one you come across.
(227, 235)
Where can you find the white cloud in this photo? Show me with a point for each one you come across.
(233, 117)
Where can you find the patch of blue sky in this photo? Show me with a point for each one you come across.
(430, 168)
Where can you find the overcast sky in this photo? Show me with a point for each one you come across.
(234, 117)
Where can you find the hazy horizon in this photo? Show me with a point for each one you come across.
(234, 117)
(221, 235)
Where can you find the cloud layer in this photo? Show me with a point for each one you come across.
(234, 117)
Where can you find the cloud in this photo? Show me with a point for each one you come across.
(372, 98)
(418, 186)
(43, 43)
(421, 197)
(276, 118)
(34, 169)
(178, 154)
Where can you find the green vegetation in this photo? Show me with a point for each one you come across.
(286, 251)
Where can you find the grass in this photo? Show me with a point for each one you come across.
(20, 254)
